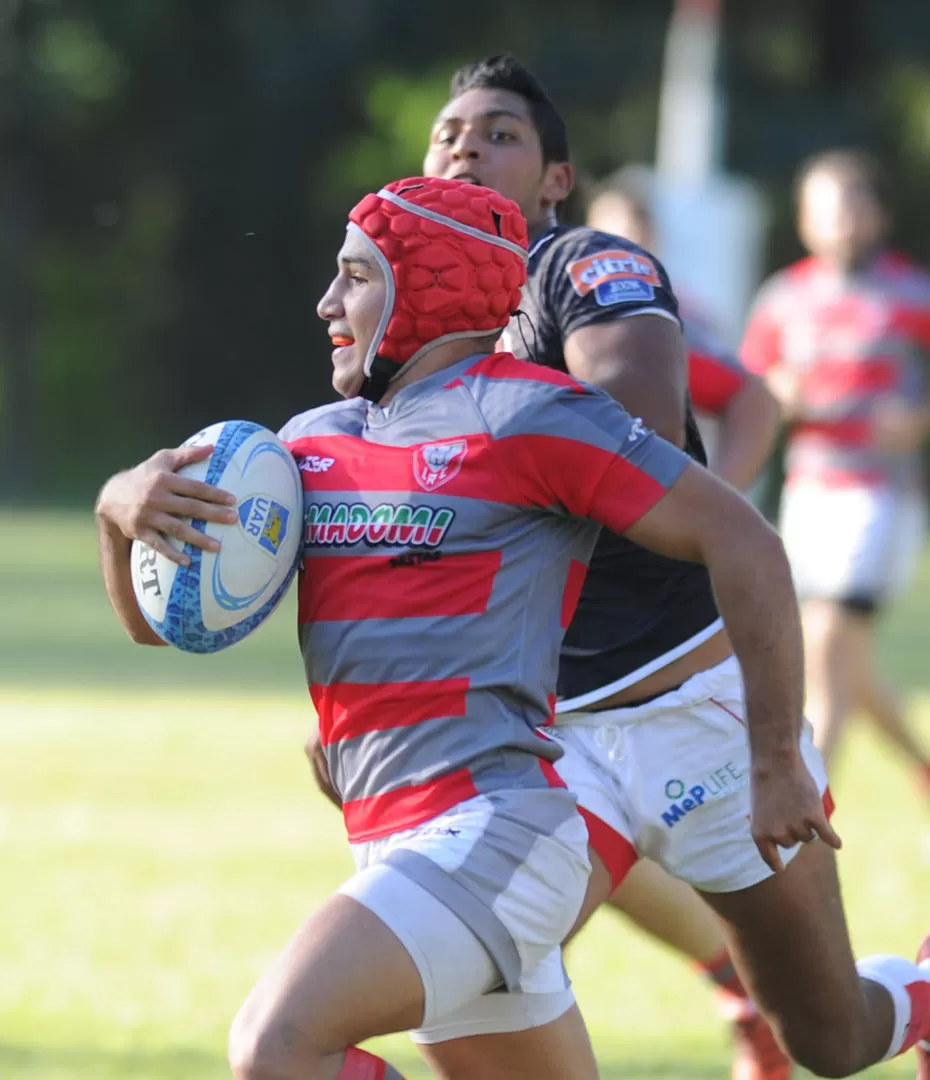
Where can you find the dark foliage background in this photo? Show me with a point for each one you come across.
(174, 177)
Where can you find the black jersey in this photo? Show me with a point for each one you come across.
(638, 611)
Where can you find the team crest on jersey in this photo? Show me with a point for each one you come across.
(615, 276)
(436, 463)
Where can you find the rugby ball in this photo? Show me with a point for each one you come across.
(223, 596)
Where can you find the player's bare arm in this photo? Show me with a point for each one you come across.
(640, 361)
(703, 520)
(748, 428)
(150, 503)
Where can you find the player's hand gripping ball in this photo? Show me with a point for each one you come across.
(221, 597)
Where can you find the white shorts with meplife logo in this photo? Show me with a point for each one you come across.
(669, 779)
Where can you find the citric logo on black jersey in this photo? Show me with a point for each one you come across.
(614, 276)
(352, 523)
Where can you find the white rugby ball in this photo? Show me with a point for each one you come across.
(220, 597)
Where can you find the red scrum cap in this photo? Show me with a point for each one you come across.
(454, 260)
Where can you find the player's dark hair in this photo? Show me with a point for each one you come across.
(505, 72)
(851, 164)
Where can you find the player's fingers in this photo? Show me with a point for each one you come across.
(826, 832)
(197, 489)
(179, 456)
(768, 849)
(161, 544)
(202, 511)
(797, 834)
(185, 532)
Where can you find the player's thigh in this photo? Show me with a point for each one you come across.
(670, 910)
(328, 989)
(833, 632)
(788, 935)
(558, 1050)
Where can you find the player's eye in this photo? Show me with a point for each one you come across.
(497, 135)
(444, 136)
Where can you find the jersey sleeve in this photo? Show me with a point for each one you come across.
(592, 277)
(715, 376)
(762, 343)
(579, 452)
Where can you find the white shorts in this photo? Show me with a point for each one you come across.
(482, 897)
(670, 779)
(853, 544)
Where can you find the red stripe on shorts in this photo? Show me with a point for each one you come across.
(354, 587)
(614, 850)
(406, 807)
(551, 774)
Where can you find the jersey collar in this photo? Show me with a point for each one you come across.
(542, 239)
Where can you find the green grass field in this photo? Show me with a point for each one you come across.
(160, 838)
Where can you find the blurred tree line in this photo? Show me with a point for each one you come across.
(174, 177)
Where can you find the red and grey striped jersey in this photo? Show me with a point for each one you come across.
(852, 339)
(447, 537)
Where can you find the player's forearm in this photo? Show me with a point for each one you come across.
(785, 387)
(752, 585)
(748, 429)
(114, 562)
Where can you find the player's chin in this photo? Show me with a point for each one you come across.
(348, 374)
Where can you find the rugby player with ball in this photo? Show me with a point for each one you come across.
(433, 676)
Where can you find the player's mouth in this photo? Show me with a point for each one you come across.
(342, 341)
(468, 178)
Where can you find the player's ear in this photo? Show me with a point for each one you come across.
(558, 181)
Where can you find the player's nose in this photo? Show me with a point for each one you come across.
(466, 146)
(330, 306)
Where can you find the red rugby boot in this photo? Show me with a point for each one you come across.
(756, 1053)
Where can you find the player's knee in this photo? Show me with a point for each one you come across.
(827, 1050)
(269, 1050)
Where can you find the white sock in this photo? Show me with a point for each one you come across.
(900, 978)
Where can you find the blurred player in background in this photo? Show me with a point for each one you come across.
(843, 338)
(737, 414)
(443, 548)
